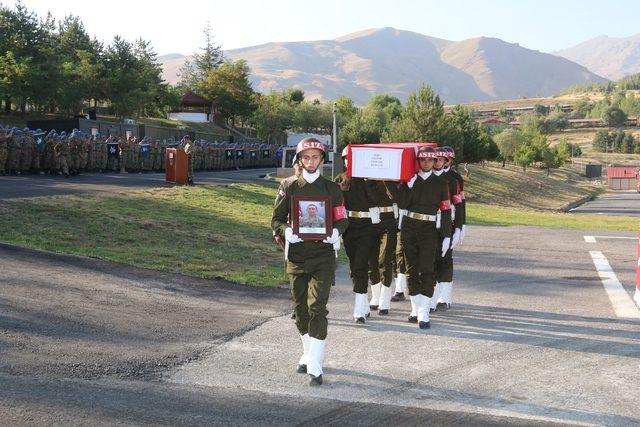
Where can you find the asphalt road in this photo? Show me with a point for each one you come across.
(44, 185)
(612, 203)
(532, 339)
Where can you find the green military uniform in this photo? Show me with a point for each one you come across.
(382, 257)
(358, 239)
(26, 153)
(13, 153)
(310, 264)
(3, 152)
(420, 200)
(62, 151)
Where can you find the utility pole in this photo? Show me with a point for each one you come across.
(335, 170)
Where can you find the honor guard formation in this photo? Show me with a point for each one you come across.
(398, 236)
(29, 151)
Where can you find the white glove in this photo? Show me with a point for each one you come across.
(445, 245)
(412, 181)
(403, 212)
(395, 211)
(455, 240)
(291, 238)
(334, 238)
(375, 215)
(462, 233)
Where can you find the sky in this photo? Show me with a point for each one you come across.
(176, 27)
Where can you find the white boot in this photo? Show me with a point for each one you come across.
(413, 317)
(444, 296)
(304, 359)
(360, 308)
(434, 299)
(401, 288)
(423, 304)
(375, 296)
(316, 357)
(385, 300)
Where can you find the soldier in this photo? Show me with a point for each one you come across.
(26, 151)
(444, 267)
(13, 152)
(383, 249)
(125, 155)
(310, 264)
(419, 201)
(4, 136)
(358, 239)
(189, 150)
(62, 151)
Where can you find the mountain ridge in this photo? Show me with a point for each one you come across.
(387, 60)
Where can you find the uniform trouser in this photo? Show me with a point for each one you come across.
(3, 160)
(190, 171)
(62, 163)
(444, 265)
(358, 240)
(383, 250)
(400, 263)
(420, 242)
(310, 286)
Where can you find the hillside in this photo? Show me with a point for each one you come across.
(610, 57)
(388, 60)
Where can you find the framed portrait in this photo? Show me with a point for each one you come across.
(312, 217)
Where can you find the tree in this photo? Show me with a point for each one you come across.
(524, 156)
(508, 142)
(229, 89)
(614, 117)
(365, 127)
(424, 111)
(295, 95)
(194, 72)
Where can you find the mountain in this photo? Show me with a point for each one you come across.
(609, 57)
(396, 62)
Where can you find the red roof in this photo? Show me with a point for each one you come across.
(620, 172)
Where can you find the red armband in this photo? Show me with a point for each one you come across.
(445, 205)
(339, 212)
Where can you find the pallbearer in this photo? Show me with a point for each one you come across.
(420, 199)
(444, 275)
(359, 237)
(383, 251)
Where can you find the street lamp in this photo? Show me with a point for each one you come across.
(335, 141)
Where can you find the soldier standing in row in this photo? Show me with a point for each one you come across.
(310, 264)
(444, 266)
(358, 239)
(381, 260)
(62, 152)
(5, 134)
(420, 199)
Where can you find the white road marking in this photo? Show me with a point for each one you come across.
(590, 239)
(622, 303)
(614, 237)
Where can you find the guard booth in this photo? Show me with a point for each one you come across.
(177, 166)
(622, 178)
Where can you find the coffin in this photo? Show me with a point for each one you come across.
(391, 162)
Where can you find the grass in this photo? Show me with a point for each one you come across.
(482, 214)
(213, 232)
(224, 231)
(512, 187)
